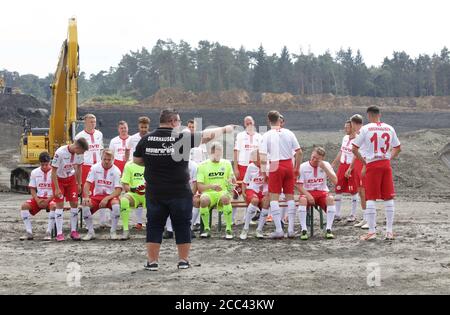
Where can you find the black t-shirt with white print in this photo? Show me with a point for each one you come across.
(166, 156)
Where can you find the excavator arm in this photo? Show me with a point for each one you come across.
(65, 92)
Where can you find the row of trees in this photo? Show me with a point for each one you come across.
(214, 67)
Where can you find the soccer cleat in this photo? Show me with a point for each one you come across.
(196, 228)
(27, 237)
(304, 236)
(88, 237)
(75, 236)
(139, 227)
(365, 226)
(351, 219)
(60, 238)
(244, 234)
(329, 235)
(151, 266)
(48, 237)
(113, 236)
(360, 224)
(277, 235)
(206, 234)
(183, 265)
(369, 237)
(167, 235)
(259, 234)
(389, 236)
(229, 235)
(125, 235)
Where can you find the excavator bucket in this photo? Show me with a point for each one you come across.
(444, 155)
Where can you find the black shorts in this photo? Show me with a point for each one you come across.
(180, 212)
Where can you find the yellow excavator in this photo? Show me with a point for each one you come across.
(63, 118)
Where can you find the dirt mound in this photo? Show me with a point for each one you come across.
(14, 108)
(238, 97)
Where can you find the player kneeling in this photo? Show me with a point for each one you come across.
(41, 198)
(134, 185)
(255, 191)
(314, 190)
(105, 177)
(214, 178)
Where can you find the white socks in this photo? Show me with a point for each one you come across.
(73, 219)
(262, 219)
(291, 210)
(87, 217)
(169, 225)
(371, 216)
(354, 204)
(26, 216)
(276, 215)
(115, 216)
(302, 216)
(338, 201)
(251, 211)
(195, 215)
(331, 212)
(103, 216)
(59, 213)
(139, 215)
(51, 222)
(234, 215)
(389, 208)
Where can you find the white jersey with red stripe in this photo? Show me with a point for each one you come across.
(254, 179)
(64, 161)
(280, 144)
(346, 150)
(95, 141)
(42, 182)
(192, 172)
(119, 146)
(245, 144)
(105, 180)
(133, 142)
(313, 178)
(378, 139)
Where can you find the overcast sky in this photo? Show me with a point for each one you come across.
(32, 32)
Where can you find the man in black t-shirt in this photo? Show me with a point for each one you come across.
(165, 154)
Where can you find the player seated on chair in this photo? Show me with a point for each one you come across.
(312, 184)
(105, 176)
(215, 181)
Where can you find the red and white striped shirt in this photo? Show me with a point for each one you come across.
(346, 150)
(64, 161)
(42, 182)
(119, 146)
(279, 144)
(104, 180)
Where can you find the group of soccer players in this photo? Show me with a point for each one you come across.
(265, 170)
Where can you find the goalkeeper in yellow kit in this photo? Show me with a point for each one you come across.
(134, 185)
(215, 181)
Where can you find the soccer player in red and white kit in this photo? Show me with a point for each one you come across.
(66, 181)
(246, 142)
(41, 198)
(120, 146)
(279, 144)
(314, 190)
(91, 157)
(345, 183)
(94, 139)
(255, 190)
(382, 145)
(144, 128)
(105, 177)
(356, 170)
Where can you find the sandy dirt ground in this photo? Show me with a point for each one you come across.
(418, 262)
